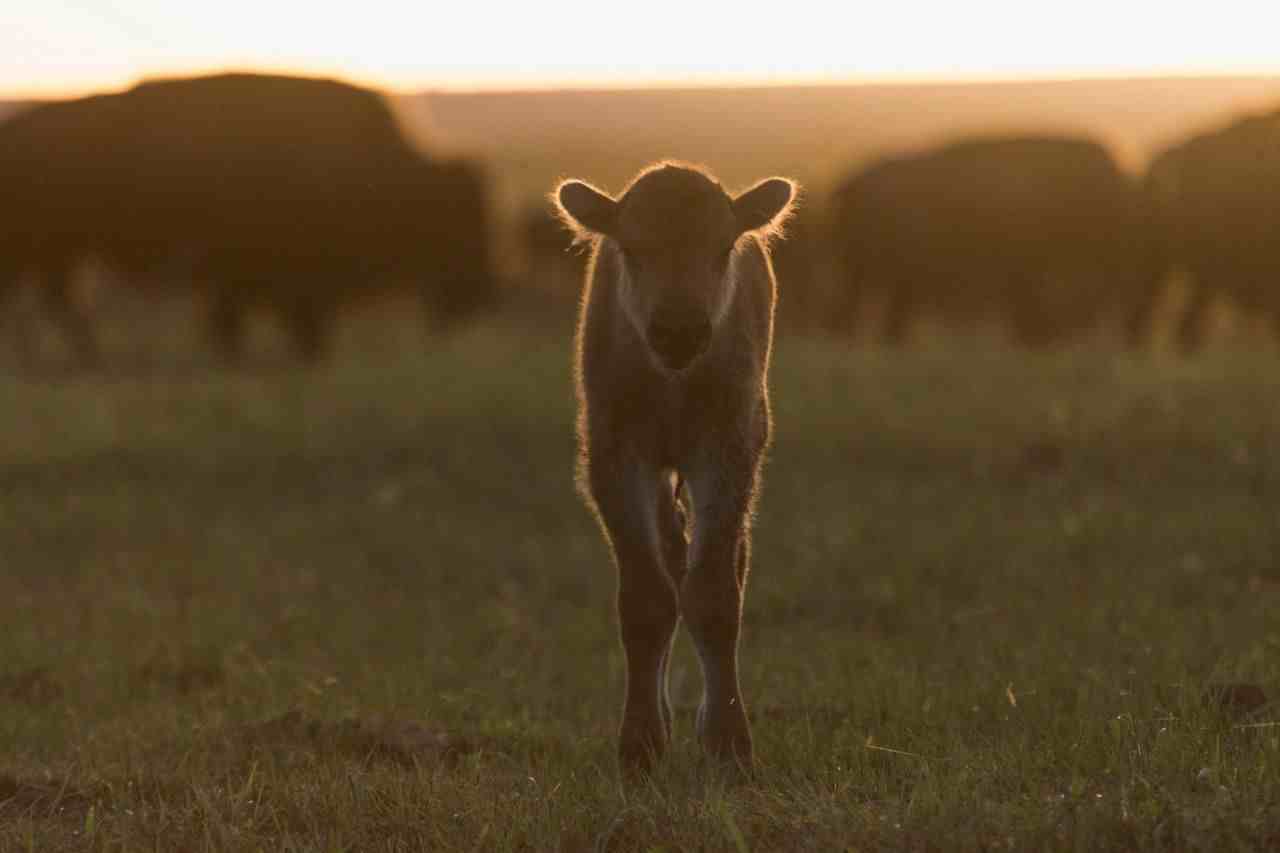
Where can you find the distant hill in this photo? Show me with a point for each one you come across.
(814, 133)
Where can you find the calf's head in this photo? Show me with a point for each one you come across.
(676, 230)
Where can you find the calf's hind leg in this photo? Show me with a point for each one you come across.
(711, 597)
(636, 511)
(672, 524)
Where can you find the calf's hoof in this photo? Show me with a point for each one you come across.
(726, 735)
(641, 745)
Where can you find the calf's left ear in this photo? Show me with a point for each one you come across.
(765, 206)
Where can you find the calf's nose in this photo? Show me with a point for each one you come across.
(678, 340)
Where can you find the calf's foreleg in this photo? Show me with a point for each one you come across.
(638, 512)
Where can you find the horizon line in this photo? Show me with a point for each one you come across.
(517, 85)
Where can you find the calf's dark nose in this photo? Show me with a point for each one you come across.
(678, 340)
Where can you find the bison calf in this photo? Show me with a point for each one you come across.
(672, 357)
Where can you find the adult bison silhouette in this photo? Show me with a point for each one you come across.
(1041, 231)
(293, 194)
(1217, 196)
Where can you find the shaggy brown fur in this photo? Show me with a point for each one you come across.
(672, 359)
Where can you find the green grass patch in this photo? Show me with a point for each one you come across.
(998, 602)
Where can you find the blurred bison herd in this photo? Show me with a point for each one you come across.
(298, 197)
(293, 195)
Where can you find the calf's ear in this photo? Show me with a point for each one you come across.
(766, 206)
(585, 209)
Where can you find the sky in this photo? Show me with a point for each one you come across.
(68, 47)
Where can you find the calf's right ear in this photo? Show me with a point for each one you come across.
(585, 209)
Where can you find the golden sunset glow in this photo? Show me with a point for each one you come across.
(71, 46)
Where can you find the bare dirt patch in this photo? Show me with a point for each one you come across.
(48, 798)
(1237, 700)
(182, 677)
(405, 742)
(35, 686)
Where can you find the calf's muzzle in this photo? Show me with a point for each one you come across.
(678, 339)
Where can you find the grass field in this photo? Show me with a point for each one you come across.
(999, 602)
